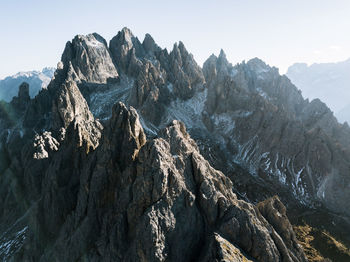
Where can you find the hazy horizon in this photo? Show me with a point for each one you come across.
(280, 34)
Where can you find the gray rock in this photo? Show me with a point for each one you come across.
(21, 101)
(161, 199)
(93, 190)
(277, 134)
(89, 58)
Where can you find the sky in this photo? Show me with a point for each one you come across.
(33, 33)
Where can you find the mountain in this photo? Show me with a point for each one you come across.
(36, 80)
(136, 153)
(329, 82)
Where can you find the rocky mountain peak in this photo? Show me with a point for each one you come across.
(23, 93)
(185, 73)
(222, 55)
(21, 101)
(124, 47)
(209, 68)
(222, 63)
(258, 65)
(150, 45)
(180, 53)
(90, 59)
(216, 65)
(125, 130)
(126, 36)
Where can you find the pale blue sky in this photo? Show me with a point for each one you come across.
(34, 33)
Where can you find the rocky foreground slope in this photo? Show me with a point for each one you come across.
(98, 167)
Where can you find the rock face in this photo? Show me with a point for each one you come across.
(275, 213)
(158, 200)
(97, 166)
(107, 200)
(277, 134)
(89, 59)
(21, 101)
(158, 75)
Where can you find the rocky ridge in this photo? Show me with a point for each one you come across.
(161, 189)
(97, 178)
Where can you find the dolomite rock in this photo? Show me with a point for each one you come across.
(100, 190)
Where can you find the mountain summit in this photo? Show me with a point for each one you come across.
(135, 153)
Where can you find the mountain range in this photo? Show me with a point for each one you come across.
(329, 82)
(36, 80)
(136, 153)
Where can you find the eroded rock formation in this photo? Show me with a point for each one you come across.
(97, 167)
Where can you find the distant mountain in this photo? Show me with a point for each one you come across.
(36, 80)
(329, 82)
(344, 114)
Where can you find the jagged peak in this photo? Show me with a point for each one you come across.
(257, 62)
(126, 31)
(175, 47)
(179, 47)
(181, 54)
(121, 45)
(125, 37)
(212, 57)
(93, 40)
(149, 44)
(125, 131)
(148, 37)
(22, 99)
(23, 90)
(182, 46)
(222, 59)
(215, 64)
(88, 56)
(259, 66)
(222, 54)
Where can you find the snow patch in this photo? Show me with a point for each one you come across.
(95, 44)
(10, 243)
(249, 155)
